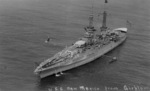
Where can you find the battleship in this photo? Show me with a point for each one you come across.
(94, 44)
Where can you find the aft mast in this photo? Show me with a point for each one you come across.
(104, 27)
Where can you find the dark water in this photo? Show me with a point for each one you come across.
(25, 24)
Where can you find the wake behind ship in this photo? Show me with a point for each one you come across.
(94, 44)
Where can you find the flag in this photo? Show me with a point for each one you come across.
(106, 1)
(129, 23)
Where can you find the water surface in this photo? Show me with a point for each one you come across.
(25, 24)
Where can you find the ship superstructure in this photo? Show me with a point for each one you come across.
(93, 45)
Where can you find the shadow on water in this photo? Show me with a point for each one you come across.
(50, 82)
(69, 76)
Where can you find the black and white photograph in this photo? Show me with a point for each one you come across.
(74, 45)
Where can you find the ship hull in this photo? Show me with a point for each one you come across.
(96, 54)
